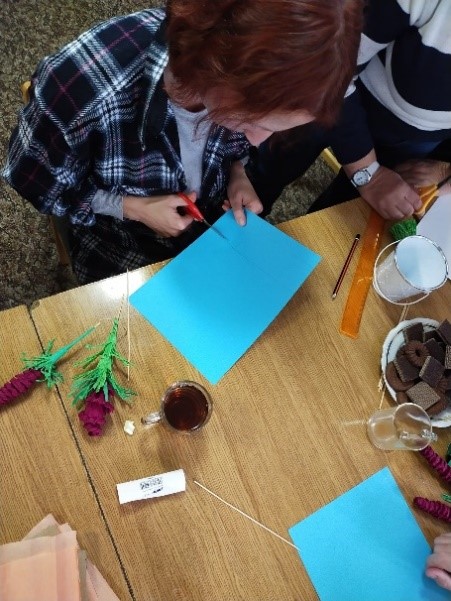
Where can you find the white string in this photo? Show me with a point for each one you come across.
(246, 515)
(128, 326)
(403, 313)
(383, 387)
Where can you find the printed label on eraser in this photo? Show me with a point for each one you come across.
(152, 486)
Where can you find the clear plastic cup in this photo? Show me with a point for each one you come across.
(406, 427)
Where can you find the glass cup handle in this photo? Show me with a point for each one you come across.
(424, 434)
(152, 418)
(428, 435)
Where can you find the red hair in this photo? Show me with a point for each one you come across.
(273, 55)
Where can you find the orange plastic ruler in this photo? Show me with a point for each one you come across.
(363, 276)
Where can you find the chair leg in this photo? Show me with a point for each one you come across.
(63, 255)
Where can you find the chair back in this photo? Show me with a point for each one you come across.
(25, 89)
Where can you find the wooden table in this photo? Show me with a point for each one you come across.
(42, 469)
(287, 433)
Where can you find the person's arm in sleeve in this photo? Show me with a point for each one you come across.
(45, 170)
(351, 139)
(55, 176)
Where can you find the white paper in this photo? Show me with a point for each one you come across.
(152, 486)
(436, 225)
(129, 427)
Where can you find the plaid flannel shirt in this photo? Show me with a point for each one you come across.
(99, 119)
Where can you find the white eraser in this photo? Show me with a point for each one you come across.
(152, 486)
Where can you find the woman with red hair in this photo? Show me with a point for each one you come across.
(146, 106)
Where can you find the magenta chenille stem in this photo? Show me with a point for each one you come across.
(437, 463)
(18, 385)
(435, 508)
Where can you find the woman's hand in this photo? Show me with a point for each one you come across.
(390, 195)
(424, 172)
(241, 194)
(438, 565)
(159, 213)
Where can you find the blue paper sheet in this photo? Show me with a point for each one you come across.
(215, 299)
(367, 546)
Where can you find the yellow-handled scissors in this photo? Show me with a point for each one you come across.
(428, 194)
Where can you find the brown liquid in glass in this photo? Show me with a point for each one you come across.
(185, 408)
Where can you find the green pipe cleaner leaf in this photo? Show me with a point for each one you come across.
(100, 376)
(46, 363)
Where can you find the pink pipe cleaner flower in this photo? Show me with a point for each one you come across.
(38, 369)
(437, 463)
(94, 386)
(19, 385)
(95, 411)
(435, 508)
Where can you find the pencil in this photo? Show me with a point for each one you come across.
(345, 266)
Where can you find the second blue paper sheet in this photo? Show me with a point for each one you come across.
(367, 546)
(215, 299)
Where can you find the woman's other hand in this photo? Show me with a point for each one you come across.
(241, 194)
(438, 565)
(419, 173)
(390, 195)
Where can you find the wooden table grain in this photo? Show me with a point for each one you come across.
(42, 469)
(287, 434)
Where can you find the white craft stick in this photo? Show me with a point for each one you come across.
(403, 315)
(245, 515)
(128, 326)
(381, 402)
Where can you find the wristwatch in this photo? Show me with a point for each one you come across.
(363, 176)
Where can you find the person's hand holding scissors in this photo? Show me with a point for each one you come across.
(386, 191)
(163, 214)
(424, 172)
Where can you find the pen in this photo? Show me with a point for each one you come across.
(345, 266)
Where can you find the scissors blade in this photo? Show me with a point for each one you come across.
(195, 213)
(214, 229)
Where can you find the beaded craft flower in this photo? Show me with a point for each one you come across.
(38, 369)
(96, 387)
(436, 508)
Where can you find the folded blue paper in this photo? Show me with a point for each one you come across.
(367, 546)
(215, 299)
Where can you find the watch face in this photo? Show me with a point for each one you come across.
(361, 178)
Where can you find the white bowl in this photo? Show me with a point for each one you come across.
(393, 342)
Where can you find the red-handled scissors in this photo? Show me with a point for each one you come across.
(195, 213)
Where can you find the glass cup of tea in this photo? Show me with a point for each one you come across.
(406, 427)
(185, 407)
